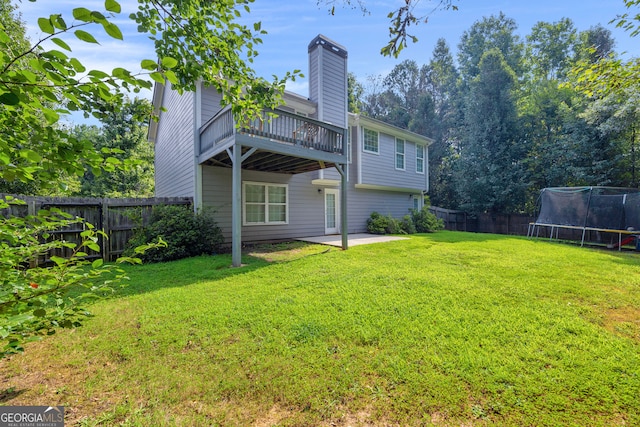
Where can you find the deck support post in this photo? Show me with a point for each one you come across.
(236, 206)
(342, 169)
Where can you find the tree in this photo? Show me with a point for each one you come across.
(610, 74)
(441, 83)
(355, 93)
(611, 84)
(613, 156)
(491, 173)
(125, 133)
(550, 49)
(564, 148)
(383, 104)
(401, 20)
(495, 32)
(194, 41)
(595, 44)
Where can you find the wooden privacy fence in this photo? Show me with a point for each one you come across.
(118, 218)
(515, 224)
(453, 220)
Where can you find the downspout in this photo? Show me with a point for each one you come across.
(342, 169)
(359, 143)
(426, 166)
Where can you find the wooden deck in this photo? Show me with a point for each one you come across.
(282, 142)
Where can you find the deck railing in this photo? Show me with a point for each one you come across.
(217, 129)
(286, 128)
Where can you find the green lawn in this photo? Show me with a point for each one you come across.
(443, 329)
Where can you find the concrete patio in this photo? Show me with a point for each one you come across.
(354, 239)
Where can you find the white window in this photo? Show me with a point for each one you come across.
(399, 154)
(419, 158)
(265, 203)
(370, 141)
(416, 202)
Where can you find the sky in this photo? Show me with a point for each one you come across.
(291, 25)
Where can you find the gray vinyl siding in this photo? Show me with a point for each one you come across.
(362, 202)
(314, 85)
(306, 204)
(328, 85)
(210, 103)
(331, 173)
(174, 148)
(380, 169)
(334, 97)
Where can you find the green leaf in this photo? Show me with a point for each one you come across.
(82, 14)
(121, 73)
(97, 16)
(41, 312)
(30, 155)
(45, 25)
(168, 62)
(61, 43)
(97, 263)
(85, 37)
(157, 77)
(77, 65)
(148, 64)
(50, 115)
(93, 246)
(99, 74)
(112, 6)
(9, 98)
(113, 30)
(171, 76)
(29, 76)
(59, 260)
(58, 22)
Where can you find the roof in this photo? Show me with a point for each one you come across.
(380, 126)
(329, 44)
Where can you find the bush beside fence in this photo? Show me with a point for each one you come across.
(118, 218)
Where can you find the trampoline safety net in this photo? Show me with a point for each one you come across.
(604, 208)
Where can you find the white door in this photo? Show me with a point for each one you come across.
(331, 211)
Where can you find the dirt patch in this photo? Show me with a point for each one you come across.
(284, 251)
(624, 321)
(31, 379)
(274, 417)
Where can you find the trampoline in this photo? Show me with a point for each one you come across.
(600, 209)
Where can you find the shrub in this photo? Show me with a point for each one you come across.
(407, 226)
(420, 221)
(187, 234)
(377, 223)
(36, 297)
(383, 224)
(425, 221)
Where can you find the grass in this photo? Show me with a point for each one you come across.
(444, 329)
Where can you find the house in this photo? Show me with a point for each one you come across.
(315, 169)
